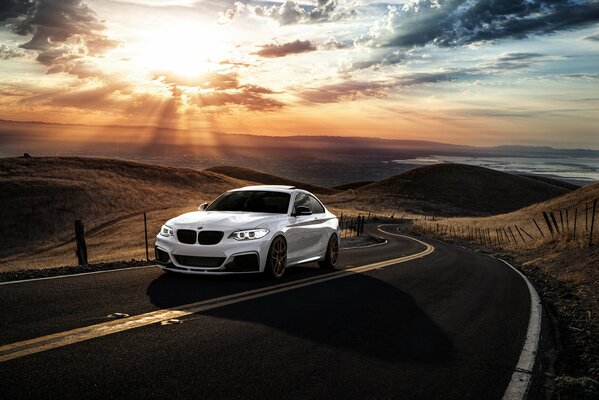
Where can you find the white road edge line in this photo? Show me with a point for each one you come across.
(75, 274)
(520, 382)
(522, 375)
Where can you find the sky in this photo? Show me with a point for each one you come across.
(478, 72)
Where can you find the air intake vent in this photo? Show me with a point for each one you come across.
(210, 237)
(200, 262)
(186, 236)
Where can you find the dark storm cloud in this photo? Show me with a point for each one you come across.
(14, 8)
(281, 50)
(462, 22)
(63, 31)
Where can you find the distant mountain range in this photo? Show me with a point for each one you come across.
(321, 160)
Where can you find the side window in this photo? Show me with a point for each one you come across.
(302, 200)
(317, 208)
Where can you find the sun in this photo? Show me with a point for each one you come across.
(185, 50)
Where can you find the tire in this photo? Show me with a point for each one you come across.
(332, 255)
(276, 261)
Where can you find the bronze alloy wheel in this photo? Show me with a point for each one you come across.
(333, 249)
(332, 254)
(278, 257)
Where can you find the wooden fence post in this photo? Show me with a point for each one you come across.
(554, 222)
(548, 223)
(575, 219)
(512, 234)
(526, 233)
(592, 223)
(586, 217)
(519, 233)
(146, 236)
(537, 225)
(81, 245)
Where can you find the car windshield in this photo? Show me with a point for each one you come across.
(252, 201)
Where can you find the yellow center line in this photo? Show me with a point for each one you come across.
(26, 347)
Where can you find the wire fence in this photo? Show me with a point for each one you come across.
(573, 226)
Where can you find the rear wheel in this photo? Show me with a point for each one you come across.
(276, 261)
(330, 259)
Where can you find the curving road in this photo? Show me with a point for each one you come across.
(442, 324)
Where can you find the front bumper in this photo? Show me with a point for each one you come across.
(227, 257)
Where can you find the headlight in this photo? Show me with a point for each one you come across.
(167, 231)
(249, 234)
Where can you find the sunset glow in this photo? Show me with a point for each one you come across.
(422, 70)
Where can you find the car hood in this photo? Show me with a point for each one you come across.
(222, 220)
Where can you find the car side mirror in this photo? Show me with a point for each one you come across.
(302, 210)
(203, 206)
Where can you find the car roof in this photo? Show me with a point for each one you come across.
(277, 188)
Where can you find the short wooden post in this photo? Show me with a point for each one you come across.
(554, 222)
(539, 228)
(575, 219)
(548, 222)
(592, 222)
(512, 234)
(81, 245)
(526, 233)
(519, 233)
(146, 235)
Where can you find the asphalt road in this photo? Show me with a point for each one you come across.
(449, 325)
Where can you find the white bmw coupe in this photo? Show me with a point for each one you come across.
(252, 229)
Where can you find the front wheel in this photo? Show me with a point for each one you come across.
(276, 261)
(330, 259)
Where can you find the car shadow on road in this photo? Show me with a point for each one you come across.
(357, 313)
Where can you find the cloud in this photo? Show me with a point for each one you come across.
(281, 50)
(222, 89)
(9, 52)
(376, 63)
(462, 22)
(512, 61)
(14, 8)
(291, 12)
(594, 37)
(352, 90)
(332, 44)
(63, 31)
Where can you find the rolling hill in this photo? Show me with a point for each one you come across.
(42, 197)
(573, 209)
(456, 189)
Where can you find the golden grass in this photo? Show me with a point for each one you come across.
(518, 229)
(42, 197)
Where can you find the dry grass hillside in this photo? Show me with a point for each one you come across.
(41, 197)
(454, 190)
(569, 215)
(248, 174)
